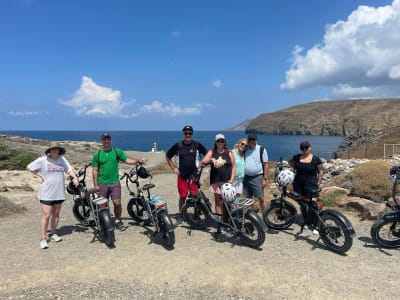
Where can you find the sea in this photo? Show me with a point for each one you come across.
(278, 146)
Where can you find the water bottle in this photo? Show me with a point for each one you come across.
(197, 159)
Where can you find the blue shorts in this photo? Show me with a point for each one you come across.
(253, 186)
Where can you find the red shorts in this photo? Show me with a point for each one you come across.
(183, 187)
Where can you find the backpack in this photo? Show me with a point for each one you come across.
(98, 157)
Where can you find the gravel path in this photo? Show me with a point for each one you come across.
(201, 265)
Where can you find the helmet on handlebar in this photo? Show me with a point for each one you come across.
(394, 174)
(71, 189)
(228, 192)
(285, 177)
(142, 172)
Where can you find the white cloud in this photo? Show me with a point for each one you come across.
(27, 113)
(172, 109)
(217, 83)
(94, 100)
(357, 57)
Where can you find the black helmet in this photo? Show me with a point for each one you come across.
(71, 189)
(142, 172)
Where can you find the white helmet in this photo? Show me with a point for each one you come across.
(285, 177)
(228, 192)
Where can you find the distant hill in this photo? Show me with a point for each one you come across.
(338, 117)
(241, 127)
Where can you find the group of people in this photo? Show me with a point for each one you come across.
(51, 168)
(245, 167)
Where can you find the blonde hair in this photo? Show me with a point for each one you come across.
(239, 142)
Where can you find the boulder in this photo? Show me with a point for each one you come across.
(367, 208)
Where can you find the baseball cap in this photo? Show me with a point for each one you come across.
(219, 136)
(252, 135)
(304, 145)
(187, 128)
(105, 135)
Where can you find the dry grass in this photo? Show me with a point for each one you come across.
(369, 180)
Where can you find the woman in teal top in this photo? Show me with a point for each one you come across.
(238, 151)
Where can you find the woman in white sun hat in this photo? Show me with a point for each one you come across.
(50, 169)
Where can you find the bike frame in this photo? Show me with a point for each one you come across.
(152, 213)
(235, 211)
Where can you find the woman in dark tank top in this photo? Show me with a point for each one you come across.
(223, 168)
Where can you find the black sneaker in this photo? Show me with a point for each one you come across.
(119, 225)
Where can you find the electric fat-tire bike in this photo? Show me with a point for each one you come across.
(91, 210)
(147, 209)
(333, 227)
(237, 216)
(386, 230)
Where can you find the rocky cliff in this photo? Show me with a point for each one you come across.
(339, 117)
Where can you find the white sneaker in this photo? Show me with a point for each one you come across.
(315, 231)
(55, 237)
(43, 244)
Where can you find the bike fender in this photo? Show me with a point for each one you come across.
(213, 219)
(256, 218)
(108, 222)
(342, 218)
(163, 216)
(392, 216)
(79, 200)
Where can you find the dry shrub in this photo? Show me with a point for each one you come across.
(369, 180)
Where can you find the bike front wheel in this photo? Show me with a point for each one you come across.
(106, 227)
(81, 210)
(195, 215)
(251, 231)
(335, 234)
(279, 216)
(166, 229)
(137, 210)
(386, 233)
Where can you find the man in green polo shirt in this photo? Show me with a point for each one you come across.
(106, 174)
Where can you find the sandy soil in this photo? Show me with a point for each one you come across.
(200, 266)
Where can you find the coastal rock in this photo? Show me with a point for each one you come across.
(367, 208)
(339, 117)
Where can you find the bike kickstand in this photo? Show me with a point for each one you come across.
(302, 228)
(189, 232)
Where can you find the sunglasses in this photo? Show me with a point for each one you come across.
(187, 133)
(304, 148)
(243, 144)
(220, 141)
(251, 139)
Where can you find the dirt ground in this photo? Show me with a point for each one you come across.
(202, 265)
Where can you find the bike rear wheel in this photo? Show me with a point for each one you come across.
(81, 210)
(386, 233)
(195, 215)
(335, 234)
(137, 210)
(168, 236)
(251, 231)
(279, 216)
(106, 227)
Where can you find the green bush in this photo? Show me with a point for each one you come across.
(330, 199)
(14, 159)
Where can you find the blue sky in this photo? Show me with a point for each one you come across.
(161, 64)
